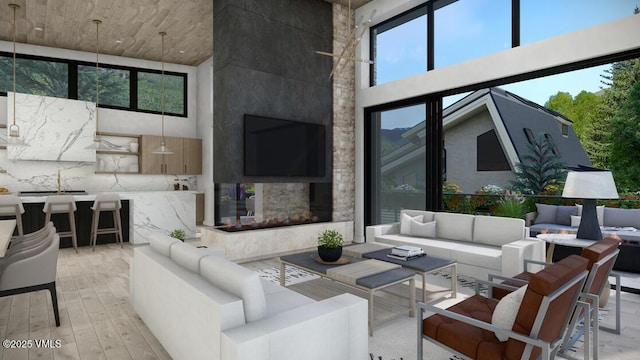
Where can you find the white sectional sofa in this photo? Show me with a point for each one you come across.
(480, 244)
(201, 306)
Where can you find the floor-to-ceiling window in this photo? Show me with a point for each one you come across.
(499, 24)
(400, 151)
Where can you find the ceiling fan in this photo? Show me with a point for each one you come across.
(347, 53)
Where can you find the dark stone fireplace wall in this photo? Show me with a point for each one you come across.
(265, 64)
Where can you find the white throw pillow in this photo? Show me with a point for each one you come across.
(599, 213)
(405, 223)
(426, 230)
(575, 220)
(506, 311)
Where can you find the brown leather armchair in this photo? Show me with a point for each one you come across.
(548, 302)
(602, 256)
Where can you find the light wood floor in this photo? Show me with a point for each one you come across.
(97, 321)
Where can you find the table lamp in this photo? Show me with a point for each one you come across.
(589, 184)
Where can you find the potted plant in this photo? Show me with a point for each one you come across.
(178, 234)
(330, 245)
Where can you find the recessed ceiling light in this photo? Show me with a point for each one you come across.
(39, 29)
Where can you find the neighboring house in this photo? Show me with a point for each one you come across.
(485, 133)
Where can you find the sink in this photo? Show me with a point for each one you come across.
(51, 192)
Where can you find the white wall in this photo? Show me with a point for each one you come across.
(41, 175)
(205, 131)
(601, 40)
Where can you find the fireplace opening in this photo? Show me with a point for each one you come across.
(251, 206)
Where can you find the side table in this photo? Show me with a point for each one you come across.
(562, 239)
(571, 240)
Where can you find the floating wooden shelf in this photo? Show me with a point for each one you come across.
(117, 172)
(102, 133)
(116, 152)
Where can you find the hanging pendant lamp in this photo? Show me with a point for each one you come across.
(97, 139)
(162, 149)
(14, 129)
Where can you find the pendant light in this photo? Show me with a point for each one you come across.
(162, 149)
(97, 139)
(14, 129)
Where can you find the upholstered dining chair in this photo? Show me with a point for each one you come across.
(32, 269)
(25, 242)
(539, 320)
(11, 205)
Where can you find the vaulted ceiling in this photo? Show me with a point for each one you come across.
(129, 28)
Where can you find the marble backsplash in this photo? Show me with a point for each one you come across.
(52, 129)
(42, 175)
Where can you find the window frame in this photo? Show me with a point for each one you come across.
(133, 81)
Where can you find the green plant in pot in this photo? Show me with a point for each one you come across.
(178, 234)
(330, 245)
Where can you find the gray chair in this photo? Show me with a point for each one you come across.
(28, 241)
(109, 202)
(11, 205)
(33, 269)
(63, 204)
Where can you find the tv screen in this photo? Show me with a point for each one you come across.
(276, 147)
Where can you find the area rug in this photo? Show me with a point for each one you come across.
(291, 275)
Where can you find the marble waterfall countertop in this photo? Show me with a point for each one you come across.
(150, 211)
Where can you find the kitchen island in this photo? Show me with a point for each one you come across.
(142, 213)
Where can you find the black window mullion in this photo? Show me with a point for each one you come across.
(72, 76)
(515, 23)
(184, 85)
(133, 87)
(430, 37)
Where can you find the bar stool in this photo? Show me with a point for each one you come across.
(106, 202)
(11, 205)
(62, 204)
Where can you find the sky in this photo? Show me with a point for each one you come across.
(401, 51)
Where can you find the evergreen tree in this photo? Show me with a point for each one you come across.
(538, 168)
(598, 137)
(625, 151)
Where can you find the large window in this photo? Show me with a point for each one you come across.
(468, 29)
(114, 85)
(397, 161)
(542, 19)
(35, 77)
(149, 86)
(439, 33)
(401, 50)
(120, 87)
(489, 154)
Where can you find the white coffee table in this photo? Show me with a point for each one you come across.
(563, 239)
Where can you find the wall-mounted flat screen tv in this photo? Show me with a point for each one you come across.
(277, 147)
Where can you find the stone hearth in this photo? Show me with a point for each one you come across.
(258, 244)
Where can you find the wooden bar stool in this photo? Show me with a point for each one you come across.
(62, 204)
(106, 202)
(11, 205)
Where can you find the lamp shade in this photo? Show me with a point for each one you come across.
(590, 185)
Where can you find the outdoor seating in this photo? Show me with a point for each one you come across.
(466, 328)
(601, 256)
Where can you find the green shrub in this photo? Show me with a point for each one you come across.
(178, 234)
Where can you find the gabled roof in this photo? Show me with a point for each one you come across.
(515, 114)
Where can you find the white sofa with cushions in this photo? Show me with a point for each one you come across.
(621, 223)
(481, 245)
(201, 306)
